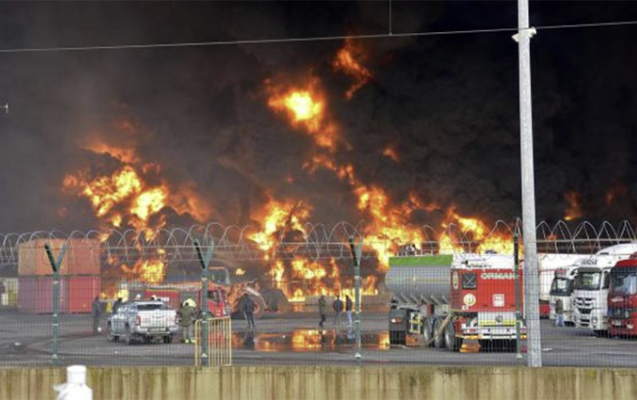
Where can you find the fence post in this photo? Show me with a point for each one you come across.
(204, 260)
(356, 250)
(55, 266)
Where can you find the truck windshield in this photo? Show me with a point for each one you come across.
(561, 287)
(623, 284)
(588, 280)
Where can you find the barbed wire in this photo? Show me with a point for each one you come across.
(312, 241)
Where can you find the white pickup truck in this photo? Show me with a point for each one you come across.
(142, 320)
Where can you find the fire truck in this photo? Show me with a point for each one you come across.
(622, 298)
(225, 298)
(447, 300)
(590, 295)
(562, 290)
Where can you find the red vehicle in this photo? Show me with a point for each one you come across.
(622, 298)
(445, 300)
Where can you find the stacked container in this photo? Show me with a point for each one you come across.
(79, 275)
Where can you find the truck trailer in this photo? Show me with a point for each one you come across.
(458, 302)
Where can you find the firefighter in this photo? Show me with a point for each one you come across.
(322, 304)
(117, 304)
(338, 310)
(96, 313)
(248, 310)
(185, 315)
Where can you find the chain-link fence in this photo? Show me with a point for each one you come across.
(454, 297)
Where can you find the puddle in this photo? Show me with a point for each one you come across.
(304, 340)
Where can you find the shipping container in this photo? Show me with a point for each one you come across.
(36, 294)
(82, 257)
(82, 290)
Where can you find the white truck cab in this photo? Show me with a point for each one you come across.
(591, 287)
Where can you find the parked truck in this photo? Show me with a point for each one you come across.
(562, 291)
(622, 299)
(443, 300)
(142, 321)
(591, 287)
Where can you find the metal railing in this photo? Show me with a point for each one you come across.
(219, 350)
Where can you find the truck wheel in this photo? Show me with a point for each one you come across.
(453, 344)
(427, 332)
(168, 339)
(439, 341)
(109, 334)
(128, 337)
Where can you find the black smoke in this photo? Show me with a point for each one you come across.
(448, 104)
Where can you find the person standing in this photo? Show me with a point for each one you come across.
(348, 310)
(322, 305)
(559, 313)
(338, 310)
(116, 305)
(96, 313)
(248, 310)
(185, 315)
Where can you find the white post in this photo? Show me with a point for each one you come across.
(531, 281)
(75, 387)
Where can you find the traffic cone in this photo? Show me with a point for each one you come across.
(470, 344)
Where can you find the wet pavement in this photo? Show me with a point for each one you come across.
(304, 340)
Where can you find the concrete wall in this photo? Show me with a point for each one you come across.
(349, 383)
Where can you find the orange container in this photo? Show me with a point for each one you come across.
(82, 290)
(82, 257)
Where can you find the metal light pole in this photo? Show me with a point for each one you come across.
(204, 260)
(523, 37)
(516, 263)
(356, 250)
(55, 266)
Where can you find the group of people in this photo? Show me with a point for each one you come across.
(338, 307)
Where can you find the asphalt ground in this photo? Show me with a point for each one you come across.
(293, 339)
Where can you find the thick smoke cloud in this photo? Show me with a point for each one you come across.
(448, 105)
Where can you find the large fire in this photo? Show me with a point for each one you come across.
(126, 198)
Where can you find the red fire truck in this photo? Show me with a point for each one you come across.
(444, 300)
(622, 298)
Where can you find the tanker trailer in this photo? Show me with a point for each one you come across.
(443, 300)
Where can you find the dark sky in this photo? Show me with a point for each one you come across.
(448, 104)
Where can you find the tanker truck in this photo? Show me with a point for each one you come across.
(450, 301)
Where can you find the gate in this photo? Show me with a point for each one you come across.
(219, 342)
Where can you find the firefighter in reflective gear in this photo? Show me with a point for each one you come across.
(185, 314)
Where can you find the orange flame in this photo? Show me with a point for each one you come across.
(574, 210)
(346, 61)
(306, 109)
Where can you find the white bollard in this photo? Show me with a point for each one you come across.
(75, 387)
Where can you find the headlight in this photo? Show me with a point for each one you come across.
(498, 319)
(396, 320)
(594, 320)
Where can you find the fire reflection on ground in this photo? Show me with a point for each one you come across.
(303, 340)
